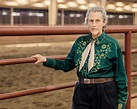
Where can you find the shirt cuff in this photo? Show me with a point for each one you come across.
(49, 63)
(121, 105)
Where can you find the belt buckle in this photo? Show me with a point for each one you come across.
(86, 81)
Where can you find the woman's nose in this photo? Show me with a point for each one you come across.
(94, 23)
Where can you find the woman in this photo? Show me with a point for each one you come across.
(97, 57)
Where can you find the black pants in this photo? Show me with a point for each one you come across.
(95, 96)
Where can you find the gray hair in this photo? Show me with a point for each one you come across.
(96, 9)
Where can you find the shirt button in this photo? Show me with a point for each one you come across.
(84, 69)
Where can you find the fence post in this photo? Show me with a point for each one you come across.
(127, 49)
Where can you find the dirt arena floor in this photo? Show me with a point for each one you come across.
(27, 76)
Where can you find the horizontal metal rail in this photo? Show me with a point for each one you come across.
(132, 51)
(133, 74)
(36, 90)
(59, 30)
(26, 60)
(42, 89)
(134, 95)
(32, 60)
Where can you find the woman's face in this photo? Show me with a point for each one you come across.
(96, 23)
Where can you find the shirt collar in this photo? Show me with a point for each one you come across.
(98, 39)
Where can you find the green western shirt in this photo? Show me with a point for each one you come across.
(108, 62)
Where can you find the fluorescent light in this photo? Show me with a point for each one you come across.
(72, 4)
(10, 3)
(39, 14)
(125, 16)
(60, 1)
(91, 4)
(119, 9)
(22, 2)
(134, 9)
(46, 2)
(33, 1)
(78, 15)
(15, 14)
(119, 4)
(72, 15)
(62, 6)
(127, 7)
(4, 13)
(31, 14)
(81, 2)
(120, 16)
(110, 6)
(38, 5)
(134, 5)
(36, 14)
(111, 16)
(83, 7)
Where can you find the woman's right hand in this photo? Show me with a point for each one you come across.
(39, 58)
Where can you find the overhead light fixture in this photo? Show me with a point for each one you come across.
(78, 15)
(10, 3)
(120, 16)
(134, 5)
(111, 16)
(127, 7)
(46, 2)
(33, 1)
(40, 5)
(134, 9)
(84, 7)
(31, 14)
(39, 14)
(81, 2)
(62, 6)
(15, 14)
(60, 1)
(91, 4)
(119, 4)
(119, 9)
(4, 13)
(72, 15)
(72, 4)
(36, 14)
(22, 2)
(110, 6)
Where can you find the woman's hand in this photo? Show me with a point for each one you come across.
(39, 58)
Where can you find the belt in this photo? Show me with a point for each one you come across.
(94, 80)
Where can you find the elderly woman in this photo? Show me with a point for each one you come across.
(97, 57)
